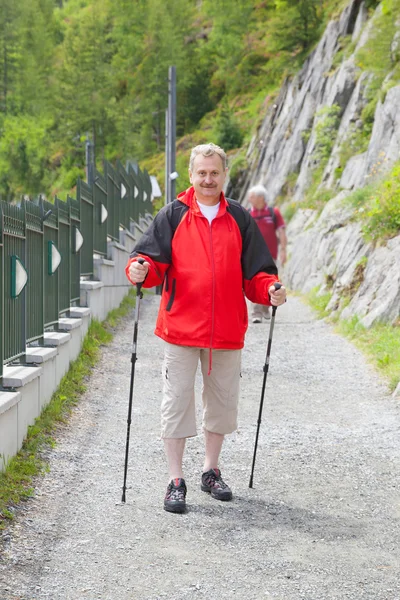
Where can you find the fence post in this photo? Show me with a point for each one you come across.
(35, 265)
(76, 242)
(89, 161)
(171, 136)
(138, 192)
(100, 214)
(52, 260)
(113, 201)
(15, 280)
(126, 196)
(1, 297)
(84, 195)
(64, 247)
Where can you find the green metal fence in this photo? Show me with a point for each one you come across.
(148, 195)
(84, 195)
(64, 248)
(127, 202)
(113, 201)
(34, 260)
(1, 292)
(137, 192)
(52, 260)
(47, 247)
(14, 270)
(75, 255)
(100, 214)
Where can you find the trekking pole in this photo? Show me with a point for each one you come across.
(139, 296)
(277, 286)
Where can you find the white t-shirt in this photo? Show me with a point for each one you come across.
(210, 212)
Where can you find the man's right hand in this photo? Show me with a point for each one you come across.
(138, 272)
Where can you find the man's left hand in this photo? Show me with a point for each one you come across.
(278, 297)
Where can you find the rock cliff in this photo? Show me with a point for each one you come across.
(327, 249)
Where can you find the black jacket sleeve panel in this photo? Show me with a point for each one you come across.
(256, 257)
(156, 240)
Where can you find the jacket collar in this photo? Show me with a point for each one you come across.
(188, 197)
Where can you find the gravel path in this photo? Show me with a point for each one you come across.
(323, 519)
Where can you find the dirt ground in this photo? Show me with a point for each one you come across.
(322, 521)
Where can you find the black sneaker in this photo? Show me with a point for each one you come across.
(175, 498)
(212, 482)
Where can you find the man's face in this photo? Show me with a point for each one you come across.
(208, 177)
(256, 201)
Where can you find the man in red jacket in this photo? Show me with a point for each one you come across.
(208, 253)
(273, 230)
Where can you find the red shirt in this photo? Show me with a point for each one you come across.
(268, 228)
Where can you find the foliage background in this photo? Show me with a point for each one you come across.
(70, 69)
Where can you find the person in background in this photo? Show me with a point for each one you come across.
(208, 253)
(273, 229)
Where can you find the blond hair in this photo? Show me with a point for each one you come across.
(207, 150)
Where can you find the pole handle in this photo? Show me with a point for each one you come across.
(139, 285)
(277, 286)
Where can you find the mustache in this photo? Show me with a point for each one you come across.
(205, 185)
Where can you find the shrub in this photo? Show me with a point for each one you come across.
(289, 210)
(227, 131)
(383, 211)
(326, 128)
(238, 166)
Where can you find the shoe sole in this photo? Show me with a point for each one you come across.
(226, 498)
(175, 509)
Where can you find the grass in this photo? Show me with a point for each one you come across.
(377, 205)
(380, 343)
(17, 480)
(319, 302)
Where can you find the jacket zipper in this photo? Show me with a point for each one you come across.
(213, 299)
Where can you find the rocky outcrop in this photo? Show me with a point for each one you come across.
(384, 146)
(378, 297)
(329, 252)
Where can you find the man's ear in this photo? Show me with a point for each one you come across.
(190, 176)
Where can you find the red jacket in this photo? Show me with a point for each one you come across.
(207, 270)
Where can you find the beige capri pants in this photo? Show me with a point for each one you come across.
(220, 391)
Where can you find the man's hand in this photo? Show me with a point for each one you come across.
(138, 272)
(278, 297)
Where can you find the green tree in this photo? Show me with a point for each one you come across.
(33, 85)
(83, 80)
(228, 132)
(26, 50)
(297, 24)
(23, 155)
(229, 27)
(10, 51)
(156, 36)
